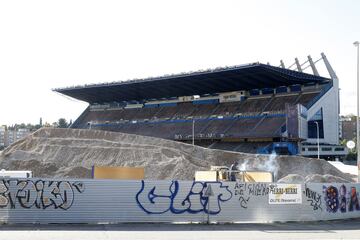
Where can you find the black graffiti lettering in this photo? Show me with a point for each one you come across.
(313, 198)
(258, 189)
(51, 195)
(80, 187)
(39, 185)
(58, 194)
(243, 201)
(27, 195)
(3, 199)
(39, 194)
(240, 188)
(248, 190)
(66, 195)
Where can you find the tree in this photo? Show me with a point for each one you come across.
(62, 123)
(46, 124)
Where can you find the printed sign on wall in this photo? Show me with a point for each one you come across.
(283, 193)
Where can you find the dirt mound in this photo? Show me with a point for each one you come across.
(292, 178)
(71, 153)
(296, 178)
(327, 178)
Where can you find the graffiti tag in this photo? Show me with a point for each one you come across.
(253, 189)
(179, 198)
(38, 194)
(243, 201)
(314, 198)
(249, 189)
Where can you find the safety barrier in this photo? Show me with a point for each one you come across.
(119, 201)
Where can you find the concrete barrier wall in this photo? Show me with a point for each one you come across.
(115, 201)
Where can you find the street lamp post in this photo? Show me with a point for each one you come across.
(356, 44)
(193, 132)
(318, 141)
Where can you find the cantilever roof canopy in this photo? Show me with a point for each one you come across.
(244, 77)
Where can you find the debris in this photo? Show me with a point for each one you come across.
(70, 153)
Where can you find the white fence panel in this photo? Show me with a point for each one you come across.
(116, 201)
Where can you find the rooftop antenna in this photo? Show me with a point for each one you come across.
(312, 65)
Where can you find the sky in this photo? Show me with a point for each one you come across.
(51, 44)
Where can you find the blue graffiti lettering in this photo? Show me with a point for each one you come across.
(181, 198)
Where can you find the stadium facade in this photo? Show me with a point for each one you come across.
(256, 108)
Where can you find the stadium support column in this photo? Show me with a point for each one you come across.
(335, 81)
(298, 65)
(312, 65)
(282, 64)
(356, 44)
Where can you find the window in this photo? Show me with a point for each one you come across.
(313, 123)
(312, 149)
(327, 149)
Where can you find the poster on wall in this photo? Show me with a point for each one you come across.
(285, 193)
(292, 121)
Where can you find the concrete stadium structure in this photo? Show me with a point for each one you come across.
(255, 108)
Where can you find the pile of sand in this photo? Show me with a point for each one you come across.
(317, 178)
(71, 153)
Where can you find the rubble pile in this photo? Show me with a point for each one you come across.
(71, 153)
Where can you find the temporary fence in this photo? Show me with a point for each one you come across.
(121, 201)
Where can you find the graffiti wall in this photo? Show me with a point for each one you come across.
(113, 201)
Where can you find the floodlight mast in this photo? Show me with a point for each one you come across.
(356, 44)
(193, 132)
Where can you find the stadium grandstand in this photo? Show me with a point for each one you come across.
(254, 108)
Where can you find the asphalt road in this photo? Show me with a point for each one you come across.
(347, 229)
